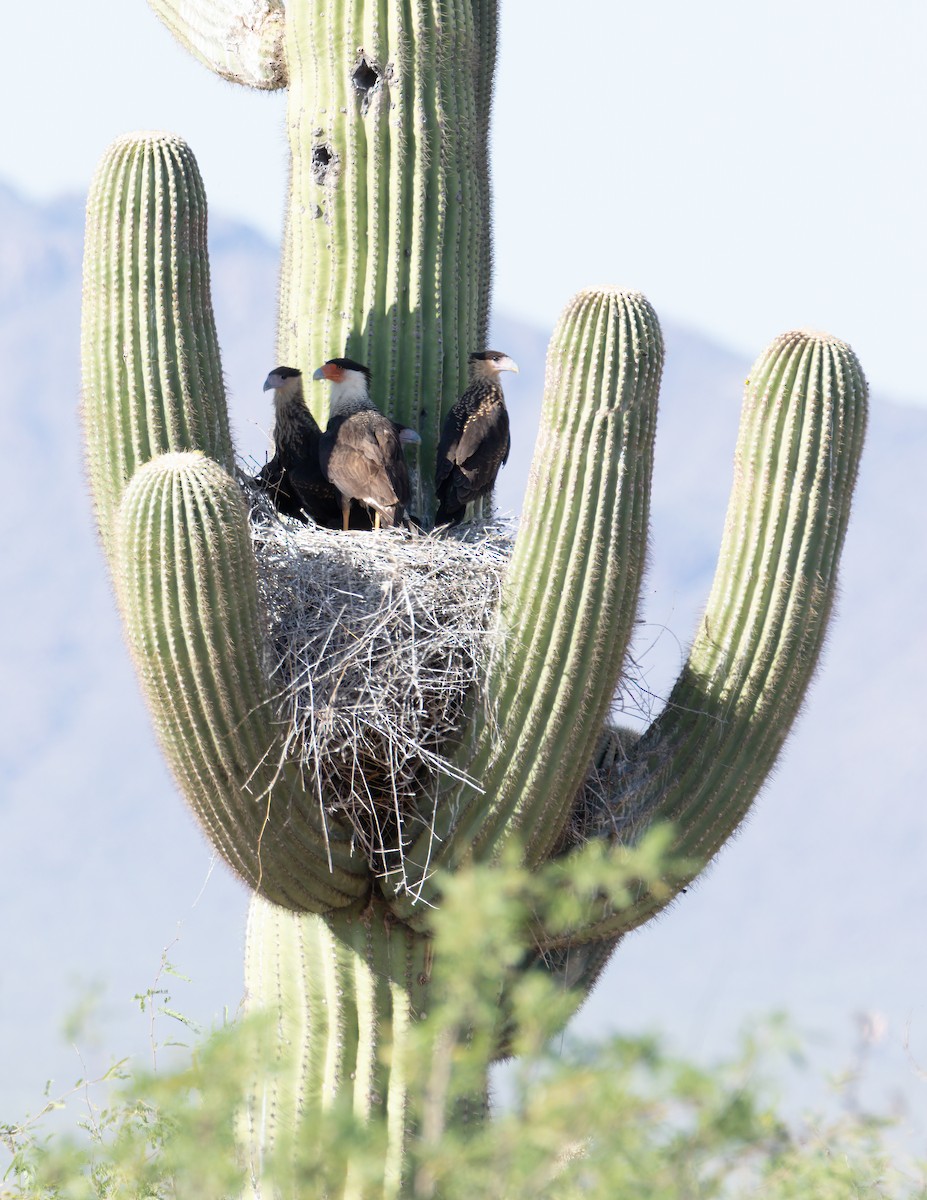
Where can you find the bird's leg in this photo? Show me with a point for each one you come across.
(376, 519)
(345, 513)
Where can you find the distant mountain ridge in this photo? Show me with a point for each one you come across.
(818, 905)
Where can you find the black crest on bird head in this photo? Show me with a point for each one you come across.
(487, 356)
(286, 372)
(348, 364)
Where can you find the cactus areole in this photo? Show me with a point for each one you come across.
(387, 260)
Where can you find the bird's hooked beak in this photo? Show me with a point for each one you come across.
(506, 364)
(330, 372)
(283, 379)
(408, 437)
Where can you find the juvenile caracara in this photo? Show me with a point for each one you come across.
(361, 450)
(293, 477)
(475, 439)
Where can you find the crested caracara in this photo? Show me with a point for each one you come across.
(475, 439)
(361, 450)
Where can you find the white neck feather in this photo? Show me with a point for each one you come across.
(350, 395)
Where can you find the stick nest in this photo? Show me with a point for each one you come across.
(377, 641)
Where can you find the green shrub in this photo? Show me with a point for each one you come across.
(616, 1119)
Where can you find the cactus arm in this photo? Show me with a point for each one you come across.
(571, 591)
(173, 524)
(152, 376)
(241, 40)
(584, 526)
(702, 762)
(187, 586)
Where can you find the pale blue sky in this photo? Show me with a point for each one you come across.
(750, 166)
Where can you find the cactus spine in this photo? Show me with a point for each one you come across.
(386, 258)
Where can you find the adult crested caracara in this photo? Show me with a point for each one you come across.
(361, 450)
(293, 477)
(475, 439)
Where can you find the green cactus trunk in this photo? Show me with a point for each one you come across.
(386, 237)
(345, 1000)
(387, 258)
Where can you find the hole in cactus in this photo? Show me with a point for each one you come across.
(322, 161)
(366, 79)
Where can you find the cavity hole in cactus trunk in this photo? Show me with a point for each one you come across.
(322, 161)
(366, 79)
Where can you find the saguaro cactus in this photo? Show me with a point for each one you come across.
(387, 258)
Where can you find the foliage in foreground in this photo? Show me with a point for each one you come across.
(654, 1127)
(613, 1119)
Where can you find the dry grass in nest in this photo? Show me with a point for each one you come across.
(377, 642)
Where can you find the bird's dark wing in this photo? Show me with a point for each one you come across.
(393, 459)
(478, 423)
(318, 498)
(475, 442)
(275, 480)
(362, 456)
(485, 436)
(270, 474)
(447, 446)
(293, 477)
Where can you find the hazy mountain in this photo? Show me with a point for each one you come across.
(817, 907)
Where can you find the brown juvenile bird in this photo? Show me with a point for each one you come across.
(361, 450)
(475, 439)
(293, 477)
